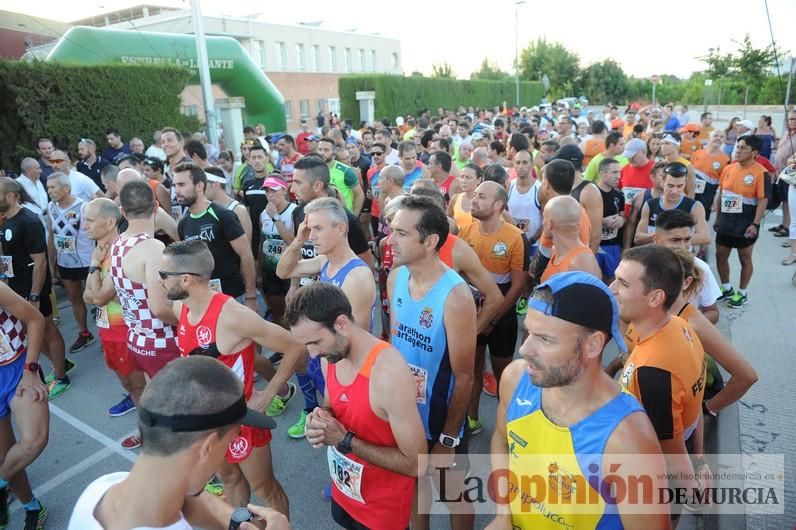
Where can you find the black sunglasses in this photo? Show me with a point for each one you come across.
(165, 274)
(376, 153)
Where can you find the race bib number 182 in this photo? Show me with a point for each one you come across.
(346, 474)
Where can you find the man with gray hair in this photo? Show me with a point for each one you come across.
(480, 157)
(31, 183)
(155, 150)
(326, 225)
(82, 186)
(90, 164)
(137, 145)
(69, 250)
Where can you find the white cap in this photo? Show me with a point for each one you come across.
(747, 123)
(215, 178)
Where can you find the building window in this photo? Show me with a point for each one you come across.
(190, 110)
(288, 110)
(300, 56)
(316, 57)
(319, 105)
(281, 56)
(362, 63)
(396, 62)
(257, 53)
(347, 59)
(373, 65)
(304, 108)
(332, 59)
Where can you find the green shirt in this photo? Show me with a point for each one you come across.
(592, 172)
(344, 178)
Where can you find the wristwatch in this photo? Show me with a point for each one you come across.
(92, 269)
(33, 297)
(449, 441)
(706, 411)
(32, 367)
(345, 445)
(756, 225)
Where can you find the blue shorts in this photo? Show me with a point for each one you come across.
(608, 257)
(10, 376)
(316, 374)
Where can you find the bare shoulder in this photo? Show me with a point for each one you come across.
(459, 299)
(633, 435)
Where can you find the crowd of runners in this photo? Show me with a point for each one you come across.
(389, 260)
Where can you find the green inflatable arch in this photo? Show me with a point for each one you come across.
(231, 68)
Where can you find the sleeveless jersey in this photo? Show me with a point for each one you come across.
(525, 208)
(446, 251)
(533, 440)
(12, 338)
(445, 188)
(655, 207)
(145, 331)
(73, 248)
(339, 279)
(463, 219)
(374, 496)
(418, 332)
(109, 319)
(563, 265)
(577, 190)
(412, 176)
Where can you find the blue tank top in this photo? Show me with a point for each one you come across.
(411, 177)
(533, 440)
(418, 332)
(339, 278)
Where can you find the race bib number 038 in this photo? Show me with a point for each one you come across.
(346, 474)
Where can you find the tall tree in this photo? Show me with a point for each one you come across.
(603, 81)
(489, 72)
(753, 64)
(719, 66)
(443, 70)
(560, 65)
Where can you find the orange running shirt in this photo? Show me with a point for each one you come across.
(591, 149)
(500, 252)
(709, 166)
(584, 234)
(563, 265)
(666, 373)
(689, 147)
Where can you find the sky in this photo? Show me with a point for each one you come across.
(645, 38)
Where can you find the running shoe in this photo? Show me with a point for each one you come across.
(474, 426)
(297, 430)
(726, 294)
(738, 300)
(132, 442)
(35, 519)
(279, 403)
(776, 228)
(68, 365)
(123, 407)
(4, 512)
(82, 341)
(490, 384)
(215, 487)
(56, 387)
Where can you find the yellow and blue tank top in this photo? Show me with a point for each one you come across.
(556, 471)
(418, 332)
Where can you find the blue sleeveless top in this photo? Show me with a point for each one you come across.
(339, 278)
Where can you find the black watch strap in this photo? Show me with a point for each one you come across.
(345, 444)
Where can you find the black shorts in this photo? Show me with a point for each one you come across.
(78, 274)
(45, 305)
(503, 338)
(461, 451)
(733, 241)
(273, 285)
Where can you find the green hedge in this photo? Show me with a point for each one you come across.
(397, 95)
(67, 103)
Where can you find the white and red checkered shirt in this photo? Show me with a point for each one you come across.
(13, 332)
(145, 331)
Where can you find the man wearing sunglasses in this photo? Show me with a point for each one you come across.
(212, 324)
(187, 433)
(83, 187)
(90, 164)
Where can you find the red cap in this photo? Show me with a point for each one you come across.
(617, 123)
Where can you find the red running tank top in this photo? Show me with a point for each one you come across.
(200, 339)
(375, 497)
(446, 252)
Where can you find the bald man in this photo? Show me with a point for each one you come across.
(165, 225)
(101, 218)
(561, 220)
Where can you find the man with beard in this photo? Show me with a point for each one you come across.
(90, 164)
(557, 400)
(234, 273)
(252, 191)
(213, 324)
(288, 156)
(172, 143)
(370, 419)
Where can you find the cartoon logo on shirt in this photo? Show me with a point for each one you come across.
(500, 250)
(748, 180)
(560, 480)
(716, 165)
(203, 336)
(426, 318)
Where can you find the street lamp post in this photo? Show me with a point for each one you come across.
(517, 5)
(204, 75)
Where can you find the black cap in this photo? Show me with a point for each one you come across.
(571, 153)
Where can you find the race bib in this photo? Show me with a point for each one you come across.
(731, 203)
(215, 285)
(65, 244)
(102, 318)
(176, 211)
(6, 351)
(346, 474)
(609, 233)
(630, 193)
(421, 378)
(478, 298)
(6, 267)
(700, 186)
(274, 248)
(523, 224)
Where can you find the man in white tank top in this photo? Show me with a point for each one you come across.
(524, 209)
